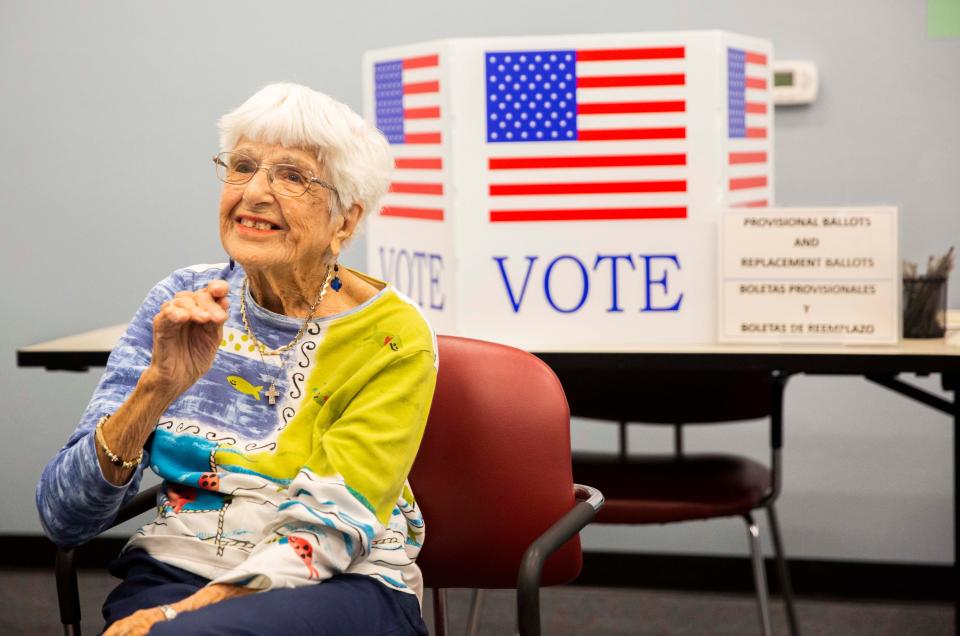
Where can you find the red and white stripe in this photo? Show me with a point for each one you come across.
(631, 94)
(749, 178)
(419, 186)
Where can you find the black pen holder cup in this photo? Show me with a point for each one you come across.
(924, 307)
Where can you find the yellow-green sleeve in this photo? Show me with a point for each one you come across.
(373, 443)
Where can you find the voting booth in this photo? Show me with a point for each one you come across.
(566, 190)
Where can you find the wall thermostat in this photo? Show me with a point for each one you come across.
(794, 82)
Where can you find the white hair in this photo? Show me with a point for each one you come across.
(355, 154)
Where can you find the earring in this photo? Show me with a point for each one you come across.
(336, 283)
(233, 264)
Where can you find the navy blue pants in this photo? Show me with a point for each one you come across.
(348, 605)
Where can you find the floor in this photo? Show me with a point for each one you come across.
(28, 606)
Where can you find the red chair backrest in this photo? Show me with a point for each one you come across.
(494, 469)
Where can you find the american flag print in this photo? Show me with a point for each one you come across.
(408, 112)
(748, 128)
(586, 134)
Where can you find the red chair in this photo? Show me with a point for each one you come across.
(493, 479)
(661, 489)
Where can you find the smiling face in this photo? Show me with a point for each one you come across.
(263, 230)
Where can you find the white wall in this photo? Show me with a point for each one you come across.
(107, 114)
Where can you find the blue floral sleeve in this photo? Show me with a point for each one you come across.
(75, 501)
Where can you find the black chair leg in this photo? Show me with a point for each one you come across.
(440, 611)
(785, 584)
(68, 594)
(476, 604)
(759, 579)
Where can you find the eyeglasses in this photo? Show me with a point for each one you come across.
(284, 179)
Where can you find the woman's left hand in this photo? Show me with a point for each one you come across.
(140, 622)
(137, 624)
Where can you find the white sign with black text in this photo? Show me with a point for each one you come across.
(809, 275)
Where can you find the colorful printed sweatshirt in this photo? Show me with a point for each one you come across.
(265, 495)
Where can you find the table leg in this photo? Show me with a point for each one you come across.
(951, 382)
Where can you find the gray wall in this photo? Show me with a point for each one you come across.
(107, 126)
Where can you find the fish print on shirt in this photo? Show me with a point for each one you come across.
(178, 496)
(245, 387)
(304, 550)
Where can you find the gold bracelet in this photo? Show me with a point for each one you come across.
(115, 459)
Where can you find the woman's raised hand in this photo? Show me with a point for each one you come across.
(186, 335)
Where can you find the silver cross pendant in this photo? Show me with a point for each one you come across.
(272, 394)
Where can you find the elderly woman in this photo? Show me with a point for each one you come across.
(281, 398)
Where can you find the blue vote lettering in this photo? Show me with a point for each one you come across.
(436, 288)
(416, 274)
(614, 289)
(655, 280)
(585, 289)
(514, 300)
(661, 282)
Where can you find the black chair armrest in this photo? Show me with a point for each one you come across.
(68, 594)
(142, 502)
(589, 501)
